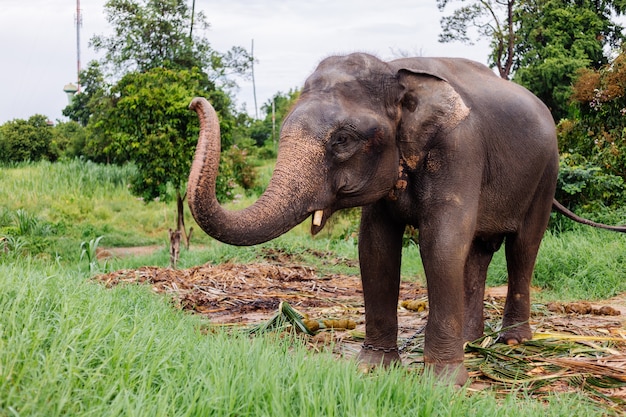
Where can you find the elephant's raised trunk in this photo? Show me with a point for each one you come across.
(284, 204)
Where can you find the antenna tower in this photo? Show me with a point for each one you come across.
(79, 23)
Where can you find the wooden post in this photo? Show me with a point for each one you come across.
(174, 247)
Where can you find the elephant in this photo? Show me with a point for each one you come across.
(441, 144)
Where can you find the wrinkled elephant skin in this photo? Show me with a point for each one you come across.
(441, 144)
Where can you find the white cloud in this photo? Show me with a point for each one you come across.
(38, 42)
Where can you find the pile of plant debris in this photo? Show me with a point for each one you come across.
(577, 347)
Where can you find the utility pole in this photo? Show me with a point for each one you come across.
(274, 121)
(256, 111)
(193, 15)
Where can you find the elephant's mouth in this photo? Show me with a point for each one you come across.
(318, 220)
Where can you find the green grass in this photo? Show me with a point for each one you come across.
(70, 347)
(78, 201)
(581, 264)
(49, 210)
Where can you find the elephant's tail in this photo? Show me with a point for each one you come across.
(567, 213)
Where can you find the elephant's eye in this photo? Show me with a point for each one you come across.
(343, 145)
(341, 140)
(343, 137)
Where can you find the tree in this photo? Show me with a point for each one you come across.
(68, 139)
(593, 144)
(541, 44)
(490, 19)
(149, 123)
(26, 140)
(599, 132)
(162, 62)
(93, 88)
(157, 33)
(557, 38)
(275, 110)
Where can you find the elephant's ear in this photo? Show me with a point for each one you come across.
(431, 92)
(408, 91)
(430, 104)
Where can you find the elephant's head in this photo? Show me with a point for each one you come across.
(340, 146)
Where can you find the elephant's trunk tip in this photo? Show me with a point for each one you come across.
(197, 101)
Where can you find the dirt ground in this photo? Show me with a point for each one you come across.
(575, 344)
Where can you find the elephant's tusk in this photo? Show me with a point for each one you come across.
(317, 217)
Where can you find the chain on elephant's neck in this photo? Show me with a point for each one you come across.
(402, 181)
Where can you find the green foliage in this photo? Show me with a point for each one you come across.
(93, 88)
(64, 203)
(159, 49)
(581, 263)
(68, 140)
(555, 39)
(22, 232)
(38, 139)
(148, 122)
(234, 171)
(594, 143)
(266, 131)
(582, 184)
(567, 270)
(89, 252)
(152, 34)
(26, 140)
(599, 133)
(543, 43)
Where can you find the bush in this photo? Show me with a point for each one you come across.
(599, 132)
(582, 184)
(593, 143)
(68, 140)
(234, 170)
(26, 140)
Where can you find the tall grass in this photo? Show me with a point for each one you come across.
(69, 347)
(580, 264)
(585, 263)
(79, 201)
(49, 210)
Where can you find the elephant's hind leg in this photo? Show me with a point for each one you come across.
(478, 259)
(521, 254)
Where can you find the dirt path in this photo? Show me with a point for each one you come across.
(108, 253)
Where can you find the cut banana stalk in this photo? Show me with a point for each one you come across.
(317, 218)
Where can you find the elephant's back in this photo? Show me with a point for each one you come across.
(450, 69)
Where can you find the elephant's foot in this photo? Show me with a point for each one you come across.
(469, 335)
(516, 334)
(371, 356)
(449, 373)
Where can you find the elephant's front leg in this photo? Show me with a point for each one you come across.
(444, 250)
(380, 251)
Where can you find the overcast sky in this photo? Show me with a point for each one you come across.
(38, 42)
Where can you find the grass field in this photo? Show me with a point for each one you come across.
(69, 346)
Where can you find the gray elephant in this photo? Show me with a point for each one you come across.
(441, 144)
